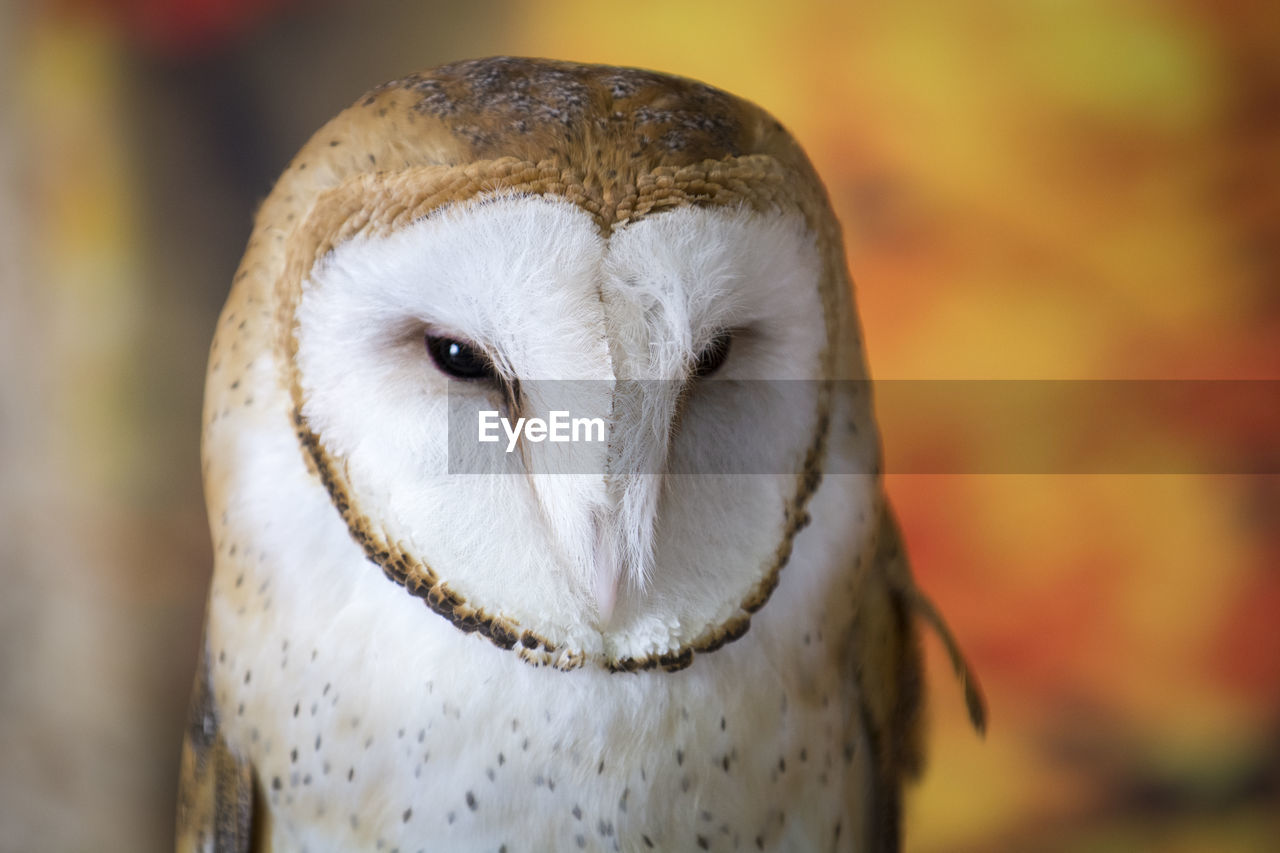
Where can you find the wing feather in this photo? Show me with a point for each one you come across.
(217, 792)
(890, 677)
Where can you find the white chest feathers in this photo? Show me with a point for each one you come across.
(374, 724)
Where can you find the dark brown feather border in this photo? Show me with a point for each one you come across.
(421, 580)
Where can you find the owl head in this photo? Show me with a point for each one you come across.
(511, 238)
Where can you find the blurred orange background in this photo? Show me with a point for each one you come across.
(1030, 190)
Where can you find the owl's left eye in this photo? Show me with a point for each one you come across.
(460, 359)
(713, 357)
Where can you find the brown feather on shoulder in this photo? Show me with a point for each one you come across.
(891, 677)
(216, 790)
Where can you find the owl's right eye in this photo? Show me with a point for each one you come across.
(460, 359)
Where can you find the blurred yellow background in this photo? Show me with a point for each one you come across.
(1030, 189)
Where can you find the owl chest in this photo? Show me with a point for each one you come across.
(373, 723)
(418, 738)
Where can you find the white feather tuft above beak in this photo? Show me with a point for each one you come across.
(607, 571)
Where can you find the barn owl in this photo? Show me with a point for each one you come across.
(694, 632)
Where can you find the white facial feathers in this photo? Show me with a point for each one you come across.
(672, 284)
(531, 281)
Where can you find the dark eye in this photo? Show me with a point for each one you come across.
(713, 356)
(460, 359)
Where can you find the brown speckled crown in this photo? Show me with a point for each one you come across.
(620, 143)
(610, 123)
(603, 129)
